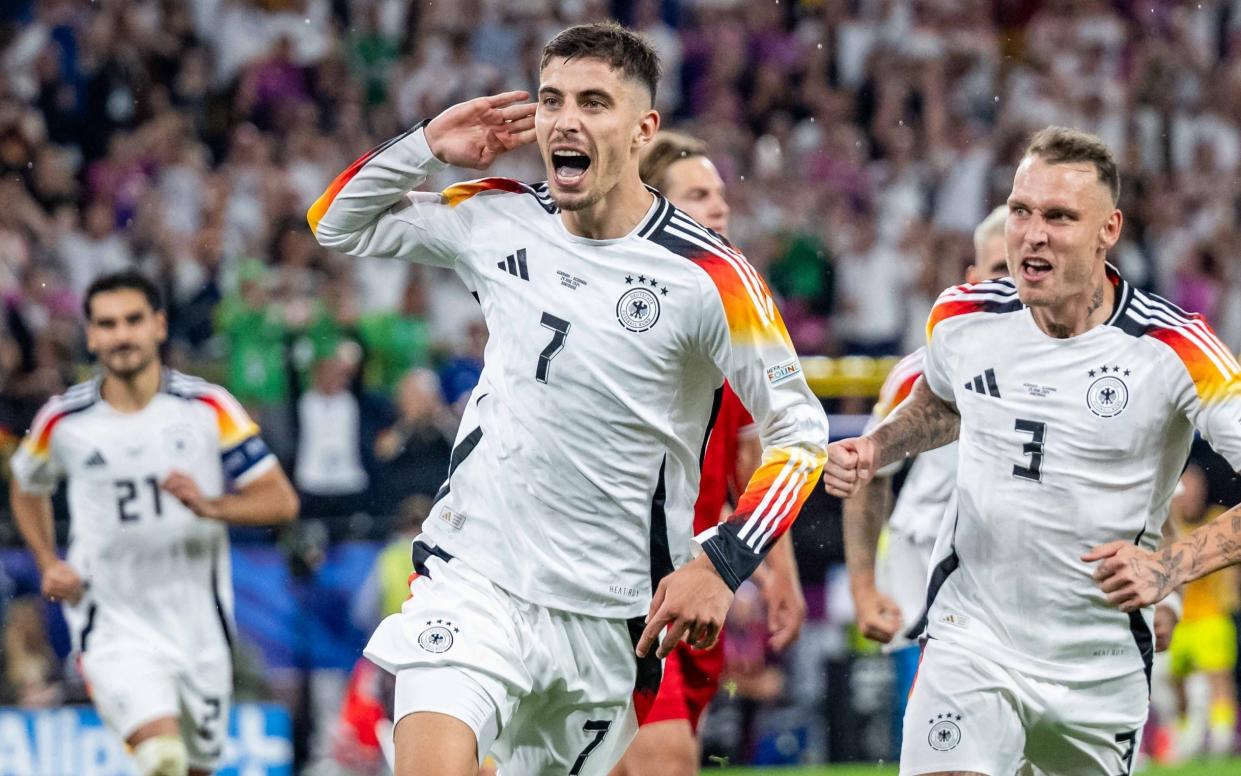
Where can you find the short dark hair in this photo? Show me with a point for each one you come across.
(124, 280)
(667, 147)
(1063, 145)
(621, 48)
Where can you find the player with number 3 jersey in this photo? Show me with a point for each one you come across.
(1071, 439)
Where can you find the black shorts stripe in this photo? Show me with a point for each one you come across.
(649, 673)
(86, 629)
(219, 604)
(1142, 636)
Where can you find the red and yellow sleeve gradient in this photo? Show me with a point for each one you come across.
(459, 192)
(775, 494)
(38, 443)
(891, 396)
(233, 424)
(949, 306)
(1210, 364)
(753, 319)
(320, 206)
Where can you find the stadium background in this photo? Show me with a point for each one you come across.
(861, 140)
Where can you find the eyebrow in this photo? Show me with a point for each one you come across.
(595, 94)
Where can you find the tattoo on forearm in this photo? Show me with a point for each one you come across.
(864, 516)
(922, 422)
(1209, 548)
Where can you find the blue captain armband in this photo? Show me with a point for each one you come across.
(244, 457)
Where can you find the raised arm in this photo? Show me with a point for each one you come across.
(370, 210)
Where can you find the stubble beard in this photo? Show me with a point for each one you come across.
(574, 202)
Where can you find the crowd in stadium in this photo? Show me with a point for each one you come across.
(861, 140)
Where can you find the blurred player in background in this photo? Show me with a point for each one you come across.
(1075, 397)
(677, 165)
(889, 588)
(1204, 645)
(158, 463)
(614, 318)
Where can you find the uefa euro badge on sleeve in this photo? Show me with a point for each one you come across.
(1108, 394)
(638, 308)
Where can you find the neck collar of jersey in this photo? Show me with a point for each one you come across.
(1123, 296)
(660, 210)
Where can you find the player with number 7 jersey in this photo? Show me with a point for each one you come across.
(572, 483)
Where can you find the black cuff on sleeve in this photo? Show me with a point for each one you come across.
(732, 557)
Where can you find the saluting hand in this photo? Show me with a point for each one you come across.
(473, 133)
(186, 490)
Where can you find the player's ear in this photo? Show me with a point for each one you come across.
(648, 125)
(161, 326)
(1109, 233)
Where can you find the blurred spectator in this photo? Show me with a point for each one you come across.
(335, 433)
(460, 374)
(397, 340)
(31, 670)
(413, 452)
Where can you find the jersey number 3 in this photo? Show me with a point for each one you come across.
(560, 331)
(1034, 448)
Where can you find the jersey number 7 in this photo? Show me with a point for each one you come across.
(560, 331)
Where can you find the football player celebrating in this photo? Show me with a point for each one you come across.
(1074, 397)
(614, 320)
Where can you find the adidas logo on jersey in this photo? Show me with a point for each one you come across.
(984, 384)
(96, 459)
(515, 264)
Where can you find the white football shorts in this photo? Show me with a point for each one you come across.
(969, 713)
(131, 686)
(545, 691)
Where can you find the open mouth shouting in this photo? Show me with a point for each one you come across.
(569, 167)
(1034, 269)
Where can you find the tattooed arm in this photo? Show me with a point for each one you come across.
(922, 422)
(1133, 577)
(878, 616)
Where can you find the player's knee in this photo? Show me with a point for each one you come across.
(662, 749)
(162, 756)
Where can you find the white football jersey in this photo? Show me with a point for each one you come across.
(573, 479)
(155, 572)
(1065, 444)
(927, 489)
